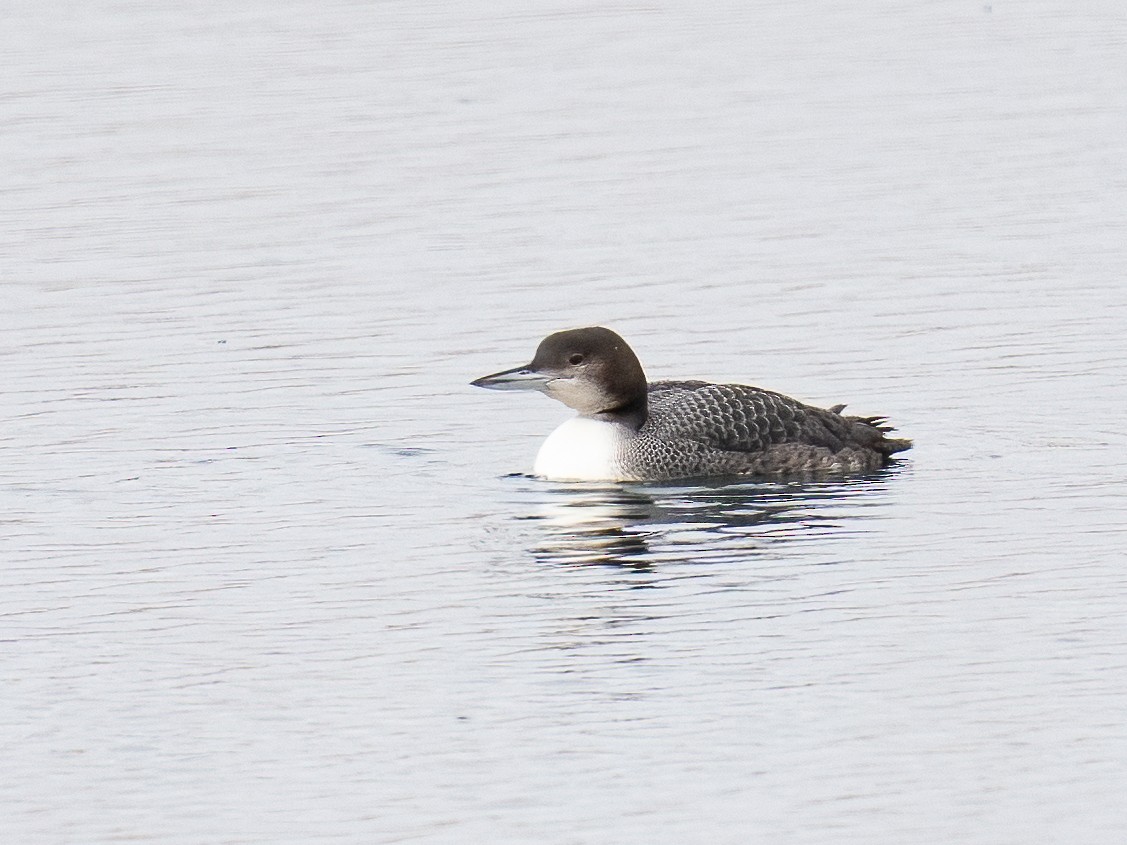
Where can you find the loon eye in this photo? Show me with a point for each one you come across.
(575, 359)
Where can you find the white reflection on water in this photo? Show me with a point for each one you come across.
(641, 526)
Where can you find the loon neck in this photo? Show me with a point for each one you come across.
(632, 414)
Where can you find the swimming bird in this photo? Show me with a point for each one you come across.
(631, 430)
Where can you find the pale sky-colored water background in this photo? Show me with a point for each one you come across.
(267, 574)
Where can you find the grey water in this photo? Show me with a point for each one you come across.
(272, 572)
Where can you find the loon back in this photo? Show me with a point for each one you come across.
(740, 429)
(741, 418)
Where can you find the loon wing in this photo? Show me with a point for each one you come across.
(741, 418)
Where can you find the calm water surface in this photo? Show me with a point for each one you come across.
(271, 570)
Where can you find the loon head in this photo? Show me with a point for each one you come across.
(592, 370)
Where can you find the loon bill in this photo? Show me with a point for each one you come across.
(631, 430)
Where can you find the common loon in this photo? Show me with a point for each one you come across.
(628, 430)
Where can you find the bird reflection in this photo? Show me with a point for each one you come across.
(638, 526)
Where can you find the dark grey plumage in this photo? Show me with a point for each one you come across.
(696, 428)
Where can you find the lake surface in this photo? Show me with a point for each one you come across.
(272, 571)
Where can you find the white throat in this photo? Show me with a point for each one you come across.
(583, 449)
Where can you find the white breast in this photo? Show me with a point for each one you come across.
(583, 449)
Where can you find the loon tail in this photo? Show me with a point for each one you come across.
(882, 443)
(873, 430)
